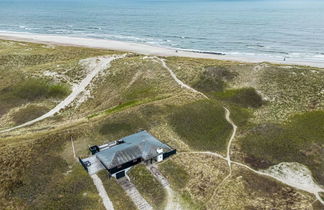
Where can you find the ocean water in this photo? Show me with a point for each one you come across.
(268, 28)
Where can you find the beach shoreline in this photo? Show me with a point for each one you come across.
(145, 49)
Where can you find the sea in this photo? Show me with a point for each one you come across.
(282, 29)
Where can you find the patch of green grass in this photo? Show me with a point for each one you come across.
(202, 125)
(116, 194)
(123, 125)
(33, 89)
(176, 175)
(189, 203)
(245, 97)
(148, 186)
(35, 175)
(29, 113)
(73, 191)
(126, 105)
(213, 79)
(239, 115)
(300, 140)
(30, 90)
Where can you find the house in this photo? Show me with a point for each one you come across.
(119, 156)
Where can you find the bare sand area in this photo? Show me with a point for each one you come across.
(146, 49)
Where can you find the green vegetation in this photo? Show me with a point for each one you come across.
(213, 79)
(175, 174)
(28, 113)
(245, 97)
(202, 125)
(74, 191)
(148, 186)
(33, 89)
(22, 68)
(37, 177)
(123, 126)
(240, 116)
(30, 90)
(300, 140)
(116, 194)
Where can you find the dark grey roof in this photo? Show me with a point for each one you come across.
(139, 145)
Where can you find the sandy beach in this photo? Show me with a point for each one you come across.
(145, 49)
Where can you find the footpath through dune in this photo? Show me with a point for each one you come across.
(299, 178)
(95, 66)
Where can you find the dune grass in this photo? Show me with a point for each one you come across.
(245, 97)
(116, 194)
(202, 125)
(31, 90)
(148, 186)
(36, 176)
(300, 140)
(176, 175)
(28, 113)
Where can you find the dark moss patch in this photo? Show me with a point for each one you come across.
(202, 125)
(176, 175)
(300, 140)
(116, 194)
(29, 113)
(148, 186)
(245, 97)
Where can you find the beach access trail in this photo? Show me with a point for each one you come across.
(303, 181)
(95, 66)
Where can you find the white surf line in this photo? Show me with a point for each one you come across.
(99, 64)
(102, 192)
(227, 158)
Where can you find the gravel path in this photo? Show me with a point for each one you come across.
(133, 193)
(102, 192)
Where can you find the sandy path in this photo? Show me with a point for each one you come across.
(95, 65)
(134, 194)
(102, 192)
(98, 183)
(303, 182)
(172, 202)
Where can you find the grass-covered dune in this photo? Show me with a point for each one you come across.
(299, 140)
(278, 110)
